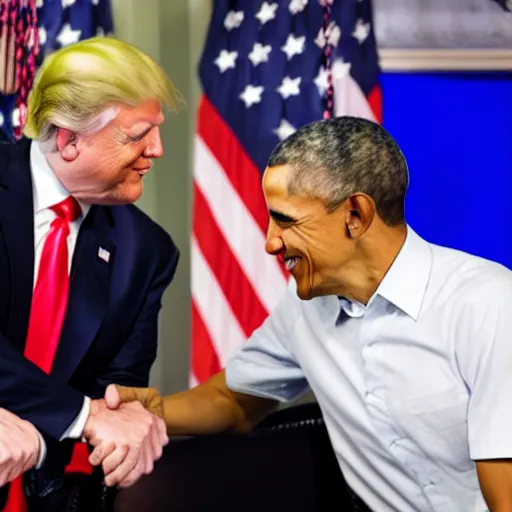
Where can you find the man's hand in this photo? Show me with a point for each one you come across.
(19, 446)
(127, 439)
(149, 397)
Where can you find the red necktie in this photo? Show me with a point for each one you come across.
(48, 310)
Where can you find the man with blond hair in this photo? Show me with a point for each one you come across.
(82, 270)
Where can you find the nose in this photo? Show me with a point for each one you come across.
(274, 243)
(154, 149)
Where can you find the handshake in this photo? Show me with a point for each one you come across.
(127, 437)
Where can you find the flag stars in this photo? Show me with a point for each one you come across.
(225, 60)
(67, 3)
(340, 68)
(259, 53)
(289, 87)
(293, 46)
(330, 35)
(297, 6)
(68, 36)
(322, 80)
(42, 35)
(233, 19)
(361, 31)
(251, 95)
(284, 130)
(267, 12)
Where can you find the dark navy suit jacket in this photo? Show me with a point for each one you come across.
(110, 330)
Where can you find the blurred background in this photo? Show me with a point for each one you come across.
(436, 73)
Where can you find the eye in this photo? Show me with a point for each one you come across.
(284, 223)
(137, 138)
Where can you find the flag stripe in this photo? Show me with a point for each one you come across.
(241, 171)
(232, 280)
(225, 331)
(239, 228)
(375, 101)
(205, 362)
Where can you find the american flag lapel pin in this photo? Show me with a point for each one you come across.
(103, 254)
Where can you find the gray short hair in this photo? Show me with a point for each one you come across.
(335, 158)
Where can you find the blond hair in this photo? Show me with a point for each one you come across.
(75, 87)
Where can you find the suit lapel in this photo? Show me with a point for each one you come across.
(17, 222)
(88, 292)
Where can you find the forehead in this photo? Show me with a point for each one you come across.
(275, 180)
(275, 188)
(148, 112)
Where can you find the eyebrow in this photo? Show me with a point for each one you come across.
(281, 217)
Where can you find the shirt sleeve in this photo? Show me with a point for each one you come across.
(265, 365)
(42, 452)
(485, 361)
(74, 431)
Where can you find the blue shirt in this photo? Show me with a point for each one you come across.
(414, 386)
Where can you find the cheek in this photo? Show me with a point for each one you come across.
(118, 164)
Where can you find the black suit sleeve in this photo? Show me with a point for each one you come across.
(132, 364)
(34, 396)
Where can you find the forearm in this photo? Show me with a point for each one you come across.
(495, 478)
(212, 408)
(203, 410)
(34, 396)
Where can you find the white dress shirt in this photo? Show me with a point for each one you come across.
(414, 387)
(49, 191)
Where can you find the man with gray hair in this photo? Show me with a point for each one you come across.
(82, 270)
(405, 344)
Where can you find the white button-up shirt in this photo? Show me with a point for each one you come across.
(48, 191)
(414, 386)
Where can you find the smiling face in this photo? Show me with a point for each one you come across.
(312, 241)
(107, 167)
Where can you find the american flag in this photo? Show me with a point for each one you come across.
(264, 72)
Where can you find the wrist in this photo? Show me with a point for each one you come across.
(95, 408)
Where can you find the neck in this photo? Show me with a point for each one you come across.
(373, 257)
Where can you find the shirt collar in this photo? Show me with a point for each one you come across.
(47, 189)
(406, 281)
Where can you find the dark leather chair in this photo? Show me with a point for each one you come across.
(285, 464)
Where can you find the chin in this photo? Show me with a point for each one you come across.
(304, 292)
(131, 194)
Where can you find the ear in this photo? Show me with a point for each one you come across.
(360, 211)
(66, 144)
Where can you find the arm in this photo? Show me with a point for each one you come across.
(206, 409)
(144, 435)
(260, 374)
(132, 364)
(495, 478)
(31, 394)
(484, 354)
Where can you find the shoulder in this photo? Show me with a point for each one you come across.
(15, 154)
(468, 278)
(473, 297)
